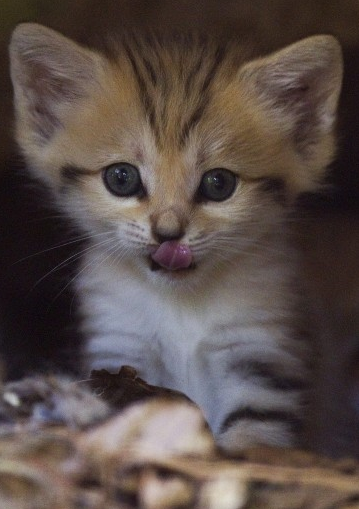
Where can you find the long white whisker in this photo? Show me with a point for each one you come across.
(229, 246)
(58, 246)
(70, 259)
(109, 253)
(44, 218)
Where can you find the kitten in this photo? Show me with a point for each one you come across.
(180, 158)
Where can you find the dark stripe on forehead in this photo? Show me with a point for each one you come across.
(218, 59)
(203, 93)
(151, 72)
(193, 73)
(192, 121)
(195, 63)
(142, 85)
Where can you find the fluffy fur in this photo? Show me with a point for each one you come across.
(227, 330)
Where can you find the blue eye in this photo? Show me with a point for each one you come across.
(217, 185)
(122, 179)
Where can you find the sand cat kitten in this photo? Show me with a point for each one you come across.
(179, 157)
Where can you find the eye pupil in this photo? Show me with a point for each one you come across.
(122, 179)
(218, 182)
(217, 185)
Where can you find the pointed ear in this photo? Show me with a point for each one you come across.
(300, 87)
(49, 72)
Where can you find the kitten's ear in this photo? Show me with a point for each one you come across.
(49, 72)
(300, 86)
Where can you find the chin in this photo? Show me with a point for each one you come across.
(171, 280)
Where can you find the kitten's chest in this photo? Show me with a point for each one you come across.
(196, 344)
(170, 343)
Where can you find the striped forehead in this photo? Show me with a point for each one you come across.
(174, 79)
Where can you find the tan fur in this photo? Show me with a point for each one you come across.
(175, 108)
(245, 127)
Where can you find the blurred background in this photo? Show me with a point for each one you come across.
(38, 313)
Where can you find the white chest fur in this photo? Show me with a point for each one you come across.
(194, 343)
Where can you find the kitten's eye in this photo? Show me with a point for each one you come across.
(217, 185)
(122, 179)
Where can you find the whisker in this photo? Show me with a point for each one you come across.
(109, 253)
(63, 244)
(246, 246)
(44, 218)
(70, 259)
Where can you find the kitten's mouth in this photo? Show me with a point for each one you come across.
(171, 256)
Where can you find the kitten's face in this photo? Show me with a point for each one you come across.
(165, 154)
(200, 192)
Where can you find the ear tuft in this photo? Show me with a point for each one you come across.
(49, 72)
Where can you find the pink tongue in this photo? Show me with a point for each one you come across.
(172, 255)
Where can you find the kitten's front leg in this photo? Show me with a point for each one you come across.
(260, 400)
(247, 426)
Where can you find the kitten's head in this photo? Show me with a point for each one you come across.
(170, 147)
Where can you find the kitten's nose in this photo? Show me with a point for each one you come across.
(167, 226)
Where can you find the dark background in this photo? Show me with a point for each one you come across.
(38, 313)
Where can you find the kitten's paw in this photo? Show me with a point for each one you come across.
(249, 433)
